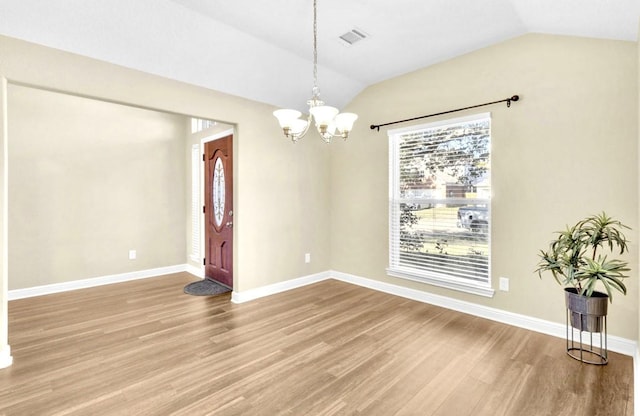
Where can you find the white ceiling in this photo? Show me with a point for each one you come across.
(262, 50)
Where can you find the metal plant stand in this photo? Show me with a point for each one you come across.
(580, 351)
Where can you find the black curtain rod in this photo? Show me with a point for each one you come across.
(507, 100)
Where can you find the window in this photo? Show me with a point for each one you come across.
(440, 204)
(198, 124)
(196, 210)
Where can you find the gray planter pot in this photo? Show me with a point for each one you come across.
(587, 313)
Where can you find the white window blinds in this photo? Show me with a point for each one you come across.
(195, 203)
(440, 203)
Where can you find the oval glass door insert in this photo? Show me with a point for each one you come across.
(218, 192)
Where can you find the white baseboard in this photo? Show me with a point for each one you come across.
(96, 281)
(5, 357)
(617, 344)
(248, 295)
(196, 271)
(614, 343)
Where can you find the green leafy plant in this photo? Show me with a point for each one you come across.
(575, 258)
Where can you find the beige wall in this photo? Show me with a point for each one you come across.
(566, 150)
(4, 284)
(281, 191)
(90, 180)
(637, 364)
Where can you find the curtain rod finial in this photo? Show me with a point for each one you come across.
(513, 98)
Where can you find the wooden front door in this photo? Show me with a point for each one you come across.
(218, 208)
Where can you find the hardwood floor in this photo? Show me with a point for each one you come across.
(145, 348)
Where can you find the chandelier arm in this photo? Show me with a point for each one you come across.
(295, 137)
(342, 135)
(326, 136)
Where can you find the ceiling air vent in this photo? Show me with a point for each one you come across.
(352, 36)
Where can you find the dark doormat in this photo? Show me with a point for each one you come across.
(205, 287)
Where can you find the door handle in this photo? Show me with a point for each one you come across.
(230, 224)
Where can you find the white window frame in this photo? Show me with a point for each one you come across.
(196, 207)
(395, 269)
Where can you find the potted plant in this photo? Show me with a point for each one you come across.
(577, 260)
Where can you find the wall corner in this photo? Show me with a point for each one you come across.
(5, 350)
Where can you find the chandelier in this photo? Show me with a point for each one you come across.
(329, 121)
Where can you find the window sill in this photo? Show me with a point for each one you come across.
(448, 283)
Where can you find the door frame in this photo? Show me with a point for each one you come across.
(203, 247)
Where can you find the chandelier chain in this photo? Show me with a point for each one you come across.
(315, 49)
(329, 121)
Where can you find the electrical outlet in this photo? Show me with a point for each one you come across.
(307, 258)
(504, 284)
(132, 254)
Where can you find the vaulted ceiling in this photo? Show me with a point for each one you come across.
(262, 50)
